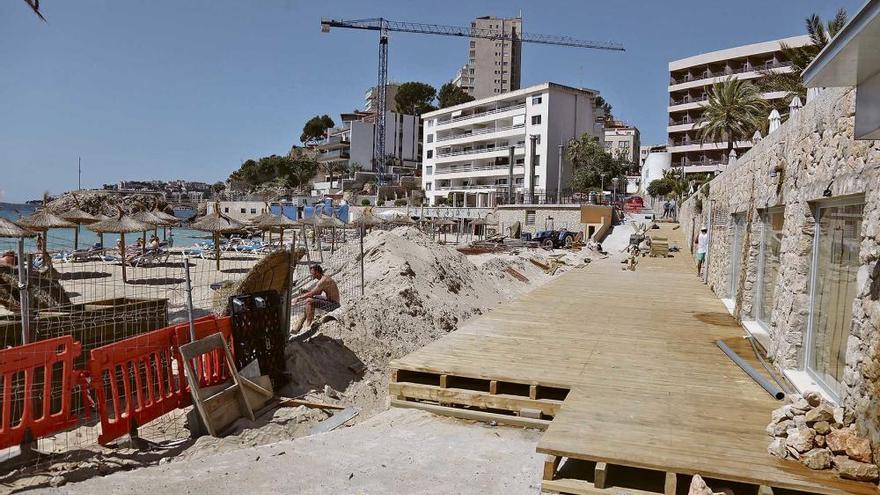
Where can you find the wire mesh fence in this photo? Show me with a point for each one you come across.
(87, 298)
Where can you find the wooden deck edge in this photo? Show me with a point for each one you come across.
(399, 365)
(472, 398)
(484, 417)
(570, 486)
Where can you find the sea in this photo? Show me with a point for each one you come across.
(62, 239)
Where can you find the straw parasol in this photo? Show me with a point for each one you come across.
(9, 229)
(79, 217)
(42, 220)
(169, 221)
(442, 222)
(120, 224)
(271, 222)
(217, 223)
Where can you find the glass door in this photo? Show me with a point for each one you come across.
(738, 229)
(836, 244)
(768, 265)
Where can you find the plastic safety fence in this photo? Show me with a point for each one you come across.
(258, 333)
(38, 382)
(139, 379)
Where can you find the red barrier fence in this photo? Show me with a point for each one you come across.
(38, 383)
(139, 379)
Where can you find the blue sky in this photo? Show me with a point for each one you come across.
(171, 89)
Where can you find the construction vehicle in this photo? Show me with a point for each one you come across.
(555, 239)
(384, 26)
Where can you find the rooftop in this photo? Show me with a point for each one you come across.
(736, 52)
(512, 95)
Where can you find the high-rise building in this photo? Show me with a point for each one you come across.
(467, 147)
(371, 97)
(493, 65)
(690, 80)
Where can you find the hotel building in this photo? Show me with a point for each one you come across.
(690, 80)
(467, 147)
(493, 65)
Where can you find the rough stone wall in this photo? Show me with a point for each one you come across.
(811, 152)
(567, 217)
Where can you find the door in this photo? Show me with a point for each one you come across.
(738, 228)
(836, 242)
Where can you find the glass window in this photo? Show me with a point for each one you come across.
(427, 186)
(429, 170)
(737, 231)
(226, 210)
(430, 138)
(536, 120)
(836, 241)
(430, 153)
(253, 211)
(768, 264)
(536, 100)
(530, 217)
(242, 210)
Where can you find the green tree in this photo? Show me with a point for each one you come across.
(604, 107)
(414, 98)
(592, 164)
(330, 169)
(302, 172)
(316, 127)
(820, 34)
(734, 111)
(660, 187)
(451, 95)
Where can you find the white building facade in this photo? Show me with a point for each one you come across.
(691, 79)
(467, 148)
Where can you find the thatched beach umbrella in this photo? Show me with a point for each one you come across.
(120, 224)
(217, 223)
(280, 222)
(79, 217)
(42, 220)
(168, 221)
(152, 221)
(442, 222)
(9, 229)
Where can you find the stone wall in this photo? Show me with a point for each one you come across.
(812, 158)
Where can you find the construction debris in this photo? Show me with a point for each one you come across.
(515, 274)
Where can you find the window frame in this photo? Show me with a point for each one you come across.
(758, 300)
(809, 333)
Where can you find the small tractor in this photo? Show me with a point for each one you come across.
(555, 239)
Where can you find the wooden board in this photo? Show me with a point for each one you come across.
(648, 387)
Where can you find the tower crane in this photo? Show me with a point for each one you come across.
(384, 26)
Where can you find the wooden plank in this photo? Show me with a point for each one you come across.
(308, 403)
(481, 416)
(335, 421)
(551, 464)
(493, 387)
(600, 474)
(582, 487)
(670, 485)
(533, 392)
(473, 398)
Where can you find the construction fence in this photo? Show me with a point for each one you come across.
(89, 339)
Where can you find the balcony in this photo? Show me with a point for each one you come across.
(481, 114)
(708, 74)
(478, 132)
(335, 155)
(683, 120)
(470, 167)
(468, 187)
(687, 99)
(488, 149)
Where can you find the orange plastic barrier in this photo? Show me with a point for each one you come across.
(139, 379)
(37, 389)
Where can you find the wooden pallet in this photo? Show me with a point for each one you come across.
(517, 404)
(580, 477)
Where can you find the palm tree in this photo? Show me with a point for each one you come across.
(734, 111)
(820, 34)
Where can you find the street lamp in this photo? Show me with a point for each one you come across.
(603, 187)
(614, 182)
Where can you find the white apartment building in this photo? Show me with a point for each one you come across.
(493, 66)
(467, 147)
(351, 144)
(690, 80)
(622, 140)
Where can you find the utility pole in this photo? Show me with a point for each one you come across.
(79, 173)
(559, 176)
(534, 158)
(510, 191)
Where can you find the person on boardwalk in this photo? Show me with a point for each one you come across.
(324, 296)
(702, 243)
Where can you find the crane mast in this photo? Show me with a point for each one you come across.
(384, 26)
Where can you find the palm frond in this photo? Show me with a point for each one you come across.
(836, 24)
(816, 30)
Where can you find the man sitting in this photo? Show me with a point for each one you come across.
(324, 296)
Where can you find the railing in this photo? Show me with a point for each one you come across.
(685, 120)
(455, 169)
(476, 186)
(481, 114)
(333, 155)
(479, 132)
(476, 150)
(739, 70)
(688, 99)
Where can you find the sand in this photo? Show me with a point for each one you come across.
(416, 291)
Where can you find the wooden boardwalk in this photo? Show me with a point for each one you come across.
(622, 370)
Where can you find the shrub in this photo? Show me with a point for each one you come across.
(365, 202)
(400, 202)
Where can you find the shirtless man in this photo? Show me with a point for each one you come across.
(324, 296)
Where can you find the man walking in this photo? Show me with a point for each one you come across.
(702, 243)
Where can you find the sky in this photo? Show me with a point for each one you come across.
(170, 89)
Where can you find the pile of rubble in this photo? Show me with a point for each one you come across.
(821, 436)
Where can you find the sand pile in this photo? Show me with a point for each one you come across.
(416, 291)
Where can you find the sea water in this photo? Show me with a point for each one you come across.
(62, 239)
